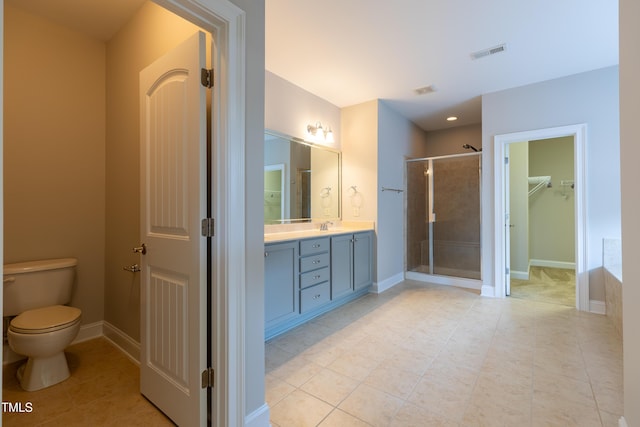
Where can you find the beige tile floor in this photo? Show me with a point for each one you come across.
(545, 284)
(423, 355)
(103, 390)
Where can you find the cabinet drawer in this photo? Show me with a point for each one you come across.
(314, 246)
(314, 262)
(314, 277)
(313, 297)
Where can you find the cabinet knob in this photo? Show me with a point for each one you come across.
(266, 254)
(316, 245)
(316, 277)
(317, 261)
(316, 296)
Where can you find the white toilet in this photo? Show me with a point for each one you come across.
(35, 292)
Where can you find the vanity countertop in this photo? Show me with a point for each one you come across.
(282, 234)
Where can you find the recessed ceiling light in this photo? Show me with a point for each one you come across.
(452, 119)
(425, 89)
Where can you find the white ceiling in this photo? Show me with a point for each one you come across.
(353, 51)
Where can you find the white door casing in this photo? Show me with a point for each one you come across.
(173, 202)
(507, 224)
(501, 142)
(227, 24)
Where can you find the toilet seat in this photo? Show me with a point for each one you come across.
(46, 319)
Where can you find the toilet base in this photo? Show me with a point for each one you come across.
(39, 373)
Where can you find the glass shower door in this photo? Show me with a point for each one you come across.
(443, 216)
(455, 216)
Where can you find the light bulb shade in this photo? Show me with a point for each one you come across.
(328, 136)
(319, 133)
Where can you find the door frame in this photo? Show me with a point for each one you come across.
(227, 24)
(579, 134)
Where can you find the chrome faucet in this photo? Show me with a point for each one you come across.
(325, 225)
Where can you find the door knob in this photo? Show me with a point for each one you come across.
(142, 249)
(134, 268)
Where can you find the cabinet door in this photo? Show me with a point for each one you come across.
(280, 275)
(341, 265)
(362, 260)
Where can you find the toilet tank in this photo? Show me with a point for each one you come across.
(35, 284)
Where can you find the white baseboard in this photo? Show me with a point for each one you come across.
(128, 345)
(9, 356)
(89, 332)
(488, 291)
(258, 418)
(379, 287)
(521, 275)
(552, 264)
(445, 280)
(622, 422)
(597, 307)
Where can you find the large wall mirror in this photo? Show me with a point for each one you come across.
(301, 180)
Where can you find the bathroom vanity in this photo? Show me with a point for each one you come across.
(313, 261)
(310, 272)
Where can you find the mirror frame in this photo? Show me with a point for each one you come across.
(313, 146)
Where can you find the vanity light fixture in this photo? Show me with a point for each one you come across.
(319, 133)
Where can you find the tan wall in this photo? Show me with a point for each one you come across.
(360, 161)
(54, 151)
(450, 141)
(630, 176)
(551, 210)
(519, 207)
(150, 33)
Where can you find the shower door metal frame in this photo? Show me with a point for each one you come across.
(431, 215)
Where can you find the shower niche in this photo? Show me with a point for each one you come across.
(443, 216)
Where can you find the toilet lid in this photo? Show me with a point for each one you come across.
(46, 319)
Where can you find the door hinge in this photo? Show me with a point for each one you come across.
(506, 160)
(208, 378)
(507, 271)
(206, 77)
(208, 227)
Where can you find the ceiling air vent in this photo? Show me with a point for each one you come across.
(490, 51)
(425, 89)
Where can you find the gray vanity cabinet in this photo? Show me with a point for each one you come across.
(307, 277)
(314, 274)
(281, 282)
(362, 260)
(351, 263)
(341, 265)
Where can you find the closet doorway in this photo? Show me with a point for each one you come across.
(542, 221)
(503, 220)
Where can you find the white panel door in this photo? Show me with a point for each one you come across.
(173, 202)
